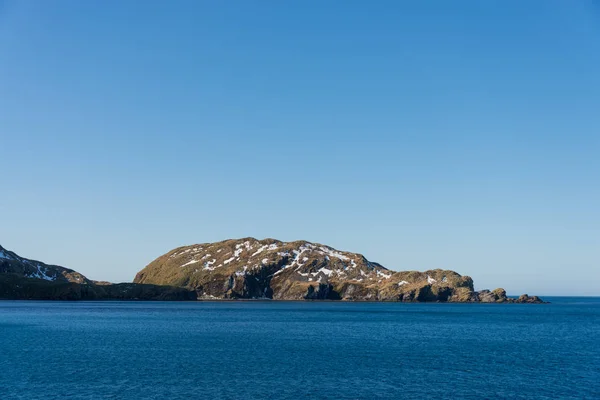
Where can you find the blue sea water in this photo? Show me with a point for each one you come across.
(293, 350)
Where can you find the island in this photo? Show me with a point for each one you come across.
(249, 268)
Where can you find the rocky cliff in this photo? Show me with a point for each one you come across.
(22, 278)
(252, 269)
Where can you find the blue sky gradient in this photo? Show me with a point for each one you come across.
(427, 134)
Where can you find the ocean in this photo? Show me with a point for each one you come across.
(299, 350)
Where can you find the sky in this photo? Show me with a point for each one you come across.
(461, 135)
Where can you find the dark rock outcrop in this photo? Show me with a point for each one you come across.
(527, 299)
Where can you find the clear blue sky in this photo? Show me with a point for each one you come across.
(424, 134)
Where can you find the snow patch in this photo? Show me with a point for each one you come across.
(268, 247)
(229, 260)
(240, 247)
(242, 273)
(326, 271)
(333, 253)
(190, 263)
(298, 254)
(180, 253)
(208, 264)
(42, 273)
(260, 250)
(383, 275)
(5, 255)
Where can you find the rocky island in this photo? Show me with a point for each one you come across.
(249, 269)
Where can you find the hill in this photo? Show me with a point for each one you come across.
(271, 269)
(25, 279)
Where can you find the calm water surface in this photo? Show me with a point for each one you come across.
(290, 350)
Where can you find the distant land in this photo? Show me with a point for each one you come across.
(248, 269)
(24, 279)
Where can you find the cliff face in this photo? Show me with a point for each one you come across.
(23, 279)
(249, 268)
